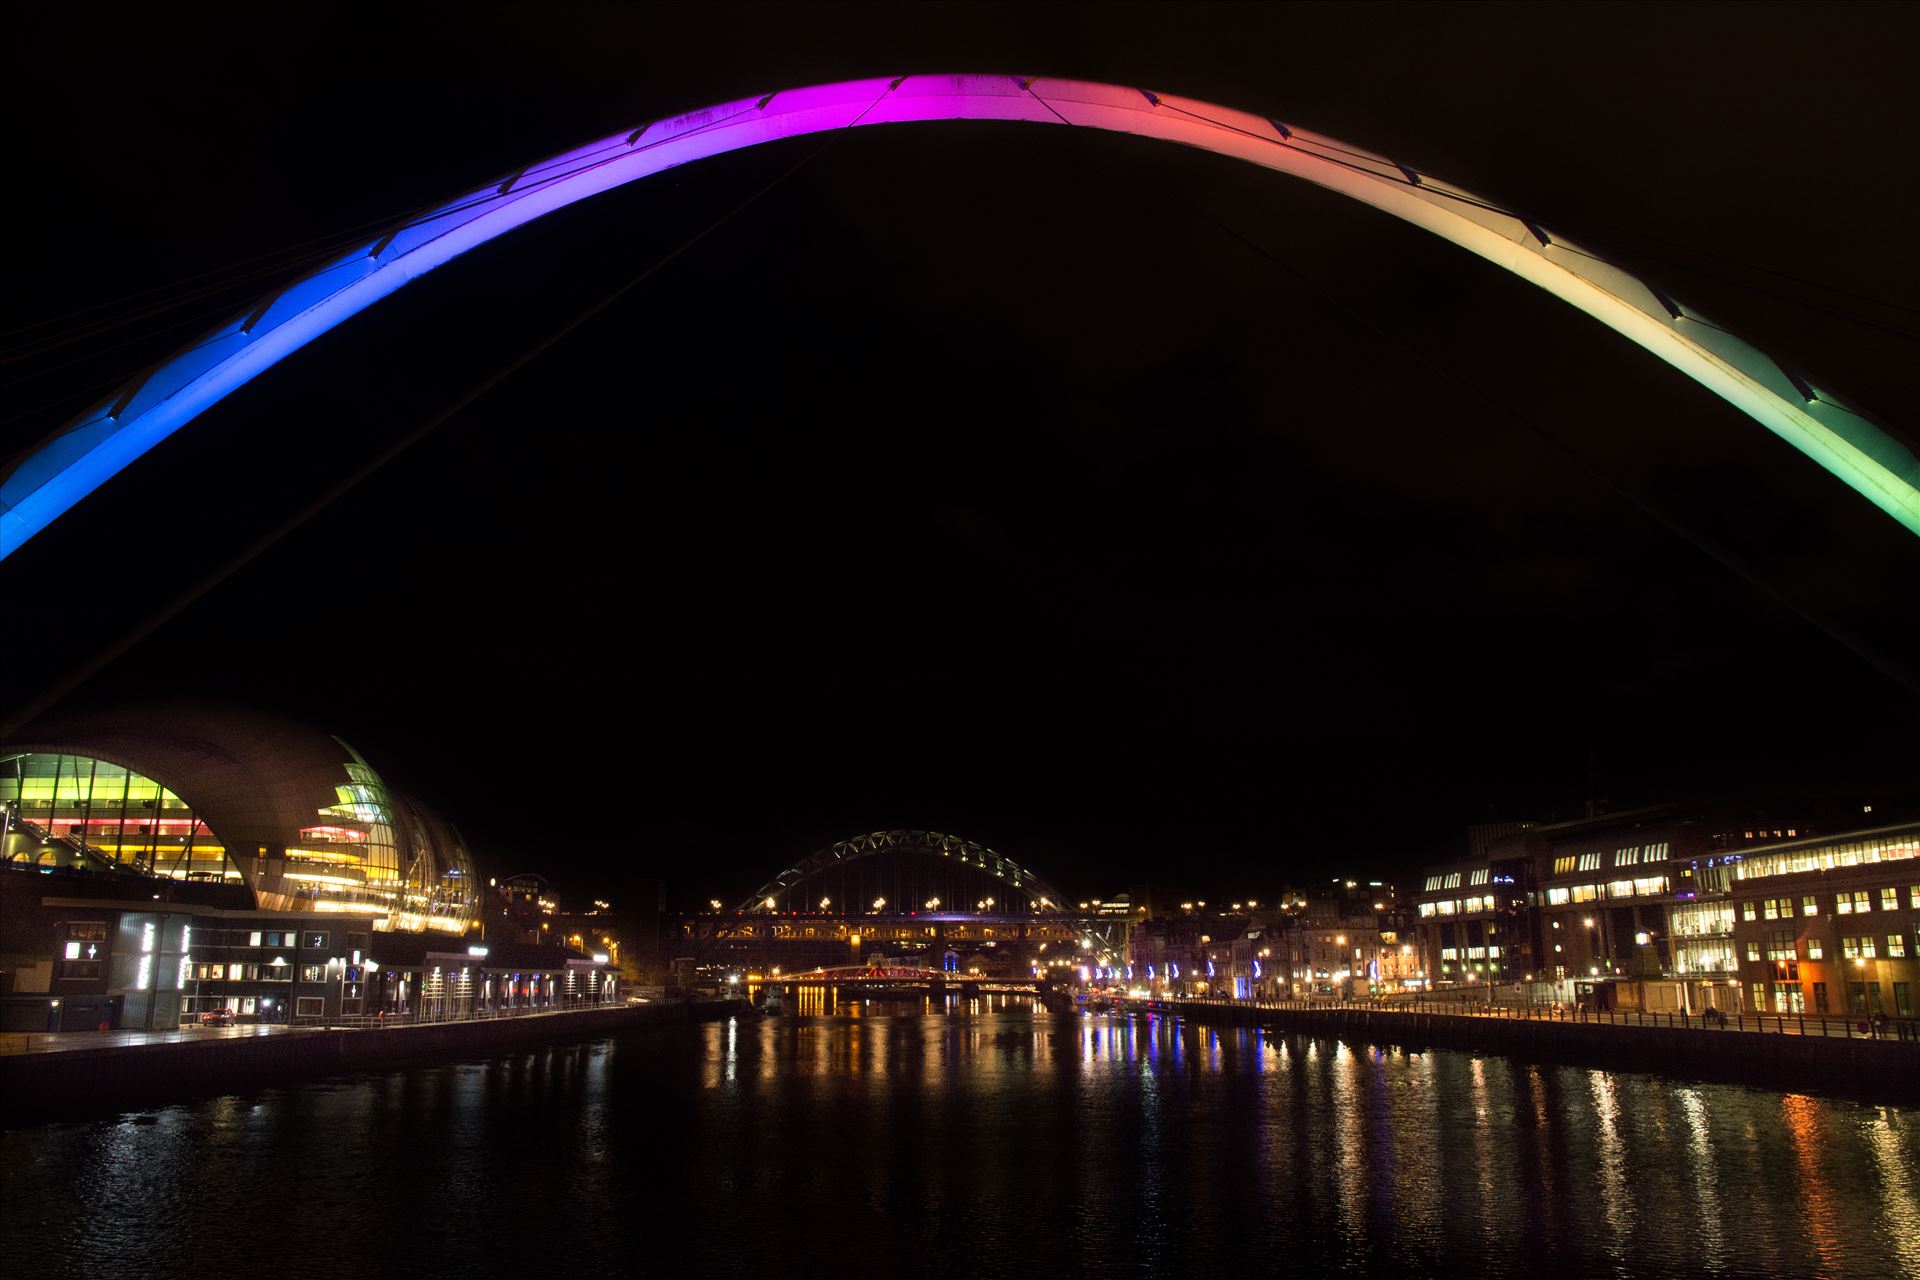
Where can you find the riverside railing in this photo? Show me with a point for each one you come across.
(457, 1013)
(1857, 1027)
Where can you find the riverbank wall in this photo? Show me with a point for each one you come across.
(1883, 1071)
(67, 1082)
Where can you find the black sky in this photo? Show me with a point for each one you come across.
(975, 477)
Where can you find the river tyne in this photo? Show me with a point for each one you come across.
(989, 1138)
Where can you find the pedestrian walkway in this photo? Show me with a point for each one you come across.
(1903, 1030)
(14, 1042)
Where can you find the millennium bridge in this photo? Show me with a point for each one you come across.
(921, 906)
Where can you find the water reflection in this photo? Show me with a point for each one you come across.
(1610, 1154)
(1701, 1170)
(979, 1136)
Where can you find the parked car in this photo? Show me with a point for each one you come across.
(217, 1018)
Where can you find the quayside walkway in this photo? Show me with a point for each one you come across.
(1775, 1053)
(84, 1073)
(69, 1041)
(1899, 1031)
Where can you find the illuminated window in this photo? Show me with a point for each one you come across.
(1857, 948)
(313, 973)
(1558, 897)
(1809, 906)
(1780, 944)
(1786, 998)
(1816, 950)
(1565, 865)
(1913, 896)
(1890, 898)
(1753, 951)
(1897, 945)
(1748, 911)
(1479, 877)
(1759, 997)
(1589, 862)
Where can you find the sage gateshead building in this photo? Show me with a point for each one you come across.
(300, 819)
(161, 864)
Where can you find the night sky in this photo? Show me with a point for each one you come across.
(981, 477)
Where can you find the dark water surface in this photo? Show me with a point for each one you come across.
(987, 1141)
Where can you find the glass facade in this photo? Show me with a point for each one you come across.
(371, 853)
(365, 850)
(74, 811)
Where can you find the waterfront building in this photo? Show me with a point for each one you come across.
(1343, 942)
(1171, 950)
(159, 865)
(1829, 924)
(1475, 922)
(1565, 911)
(1603, 886)
(200, 795)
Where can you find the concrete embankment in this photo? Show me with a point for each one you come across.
(43, 1086)
(1872, 1070)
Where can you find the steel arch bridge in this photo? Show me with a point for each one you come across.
(50, 479)
(906, 872)
(929, 900)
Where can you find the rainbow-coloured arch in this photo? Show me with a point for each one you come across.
(50, 479)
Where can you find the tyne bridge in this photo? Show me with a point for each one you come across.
(918, 900)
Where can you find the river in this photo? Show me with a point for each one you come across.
(989, 1138)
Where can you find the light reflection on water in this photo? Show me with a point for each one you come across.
(984, 1138)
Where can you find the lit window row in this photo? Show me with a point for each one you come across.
(1827, 857)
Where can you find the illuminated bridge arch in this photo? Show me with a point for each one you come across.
(895, 873)
(50, 479)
